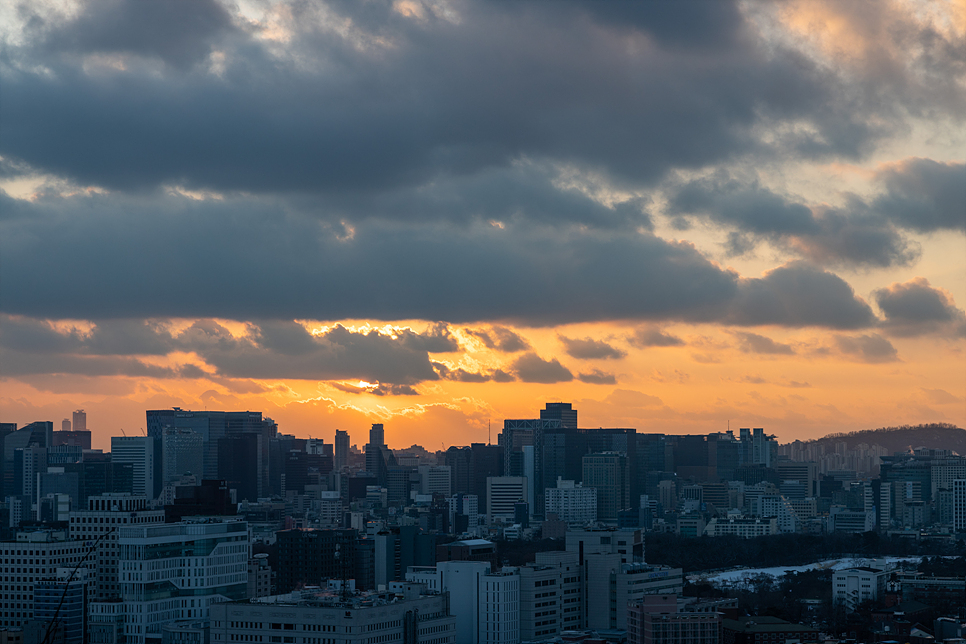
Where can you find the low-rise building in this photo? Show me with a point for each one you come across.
(758, 629)
(745, 527)
(315, 615)
(658, 619)
(931, 590)
(841, 519)
(259, 576)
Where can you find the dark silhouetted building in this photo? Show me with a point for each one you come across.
(307, 557)
(73, 438)
(216, 425)
(341, 449)
(238, 458)
(211, 498)
(564, 412)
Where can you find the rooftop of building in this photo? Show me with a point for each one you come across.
(764, 624)
(471, 542)
(332, 597)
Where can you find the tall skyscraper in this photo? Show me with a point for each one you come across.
(341, 449)
(140, 452)
(65, 425)
(216, 425)
(959, 505)
(564, 412)
(377, 435)
(608, 472)
(182, 452)
(80, 421)
(379, 458)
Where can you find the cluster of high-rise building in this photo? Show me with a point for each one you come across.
(214, 527)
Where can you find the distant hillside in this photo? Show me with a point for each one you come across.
(900, 439)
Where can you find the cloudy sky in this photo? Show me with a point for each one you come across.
(444, 213)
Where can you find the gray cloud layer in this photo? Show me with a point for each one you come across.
(231, 260)
(919, 195)
(269, 350)
(916, 308)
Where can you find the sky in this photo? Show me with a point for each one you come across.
(681, 217)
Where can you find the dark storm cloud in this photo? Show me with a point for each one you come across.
(381, 389)
(524, 191)
(500, 338)
(598, 377)
(924, 195)
(799, 294)
(20, 363)
(129, 337)
(590, 349)
(254, 269)
(746, 205)
(856, 234)
(682, 24)
(915, 308)
(532, 368)
(270, 349)
(281, 349)
(390, 102)
(654, 337)
(872, 348)
(754, 343)
(462, 375)
(179, 32)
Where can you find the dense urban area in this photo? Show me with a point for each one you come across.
(215, 527)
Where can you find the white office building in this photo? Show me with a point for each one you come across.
(550, 597)
(854, 586)
(486, 605)
(841, 519)
(744, 527)
(434, 479)
(139, 452)
(467, 505)
(776, 505)
(502, 494)
(174, 572)
(572, 502)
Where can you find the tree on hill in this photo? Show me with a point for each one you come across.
(903, 438)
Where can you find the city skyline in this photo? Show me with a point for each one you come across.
(439, 215)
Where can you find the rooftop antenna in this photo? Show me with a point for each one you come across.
(122, 433)
(487, 431)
